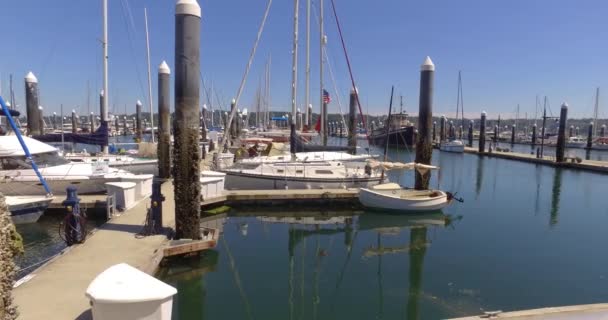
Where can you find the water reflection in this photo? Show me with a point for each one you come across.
(479, 177)
(187, 274)
(555, 196)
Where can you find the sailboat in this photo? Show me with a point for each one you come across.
(294, 173)
(100, 136)
(453, 144)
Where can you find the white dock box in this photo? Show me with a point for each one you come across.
(124, 194)
(143, 184)
(124, 292)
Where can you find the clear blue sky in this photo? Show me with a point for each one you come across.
(508, 51)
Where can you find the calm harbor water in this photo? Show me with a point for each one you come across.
(526, 236)
(41, 240)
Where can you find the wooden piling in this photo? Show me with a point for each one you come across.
(138, 118)
(164, 129)
(496, 133)
(482, 132)
(512, 134)
(603, 130)
(424, 147)
(54, 120)
(470, 133)
(41, 119)
(561, 135)
(102, 102)
(74, 122)
(91, 122)
(186, 155)
(442, 128)
(590, 136)
(125, 127)
(31, 102)
(434, 131)
(233, 125)
(571, 132)
(352, 114)
(534, 134)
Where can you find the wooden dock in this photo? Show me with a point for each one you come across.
(586, 311)
(587, 165)
(258, 197)
(56, 290)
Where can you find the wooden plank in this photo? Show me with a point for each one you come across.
(180, 247)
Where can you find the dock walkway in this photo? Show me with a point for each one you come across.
(57, 289)
(587, 165)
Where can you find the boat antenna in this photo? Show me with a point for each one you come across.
(388, 126)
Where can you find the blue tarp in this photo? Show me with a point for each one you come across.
(99, 137)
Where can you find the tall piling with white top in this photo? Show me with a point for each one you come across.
(138, 117)
(424, 146)
(74, 122)
(513, 134)
(55, 121)
(164, 133)
(186, 154)
(91, 122)
(603, 130)
(561, 134)
(442, 124)
(31, 102)
(482, 132)
(534, 134)
(41, 119)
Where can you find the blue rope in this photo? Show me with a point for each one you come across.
(28, 156)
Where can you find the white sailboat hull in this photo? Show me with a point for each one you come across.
(404, 199)
(243, 181)
(27, 209)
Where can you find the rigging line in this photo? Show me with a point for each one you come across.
(350, 71)
(333, 80)
(244, 79)
(237, 278)
(130, 37)
(331, 73)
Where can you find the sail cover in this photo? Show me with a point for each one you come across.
(99, 137)
(387, 165)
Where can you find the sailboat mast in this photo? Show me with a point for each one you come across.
(294, 79)
(150, 75)
(321, 48)
(104, 114)
(307, 87)
(596, 110)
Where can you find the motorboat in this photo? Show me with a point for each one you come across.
(27, 209)
(124, 162)
(17, 177)
(576, 142)
(456, 146)
(300, 175)
(393, 197)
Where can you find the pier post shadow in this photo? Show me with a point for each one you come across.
(416, 254)
(555, 197)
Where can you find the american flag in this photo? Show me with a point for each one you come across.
(326, 98)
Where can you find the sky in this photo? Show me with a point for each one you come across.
(508, 51)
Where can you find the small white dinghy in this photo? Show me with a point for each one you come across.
(391, 196)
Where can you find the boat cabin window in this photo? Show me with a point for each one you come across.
(280, 171)
(42, 160)
(323, 172)
(299, 171)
